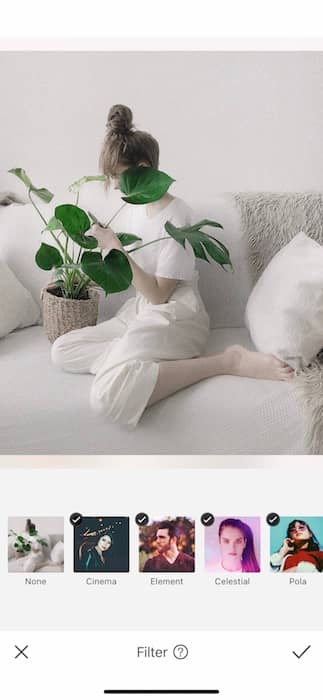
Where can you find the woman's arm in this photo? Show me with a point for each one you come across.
(277, 558)
(156, 289)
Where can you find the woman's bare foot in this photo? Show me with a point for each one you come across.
(257, 365)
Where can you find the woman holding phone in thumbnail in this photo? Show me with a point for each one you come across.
(300, 550)
(155, 344)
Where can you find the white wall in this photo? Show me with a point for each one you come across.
(45, 526)
(225, 121)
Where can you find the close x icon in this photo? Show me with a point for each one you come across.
(21, 652)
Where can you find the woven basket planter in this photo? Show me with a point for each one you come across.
(63, 315)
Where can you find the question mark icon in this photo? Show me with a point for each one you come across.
(180, 652)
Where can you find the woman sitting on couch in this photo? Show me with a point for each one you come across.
(154, 346)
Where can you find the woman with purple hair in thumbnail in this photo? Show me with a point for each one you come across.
(237, 549)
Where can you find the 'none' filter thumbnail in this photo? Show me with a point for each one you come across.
(36, 544)
(232, 545)
(167, 545)
(101, 544)
(296, 545)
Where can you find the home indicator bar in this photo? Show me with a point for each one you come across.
(162, 692)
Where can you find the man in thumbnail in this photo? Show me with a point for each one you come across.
(169, 559)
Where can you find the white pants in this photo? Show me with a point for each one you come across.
(124, 352)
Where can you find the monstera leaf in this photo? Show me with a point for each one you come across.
(127, 238)
(76, 222)
(54, 225)
(48, 257)
(76, 186)
(41, 192)
(144, 185)
(204, 245)
(113, 273)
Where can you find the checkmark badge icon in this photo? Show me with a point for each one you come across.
(207, 519)
(273, 519)
(142, 519)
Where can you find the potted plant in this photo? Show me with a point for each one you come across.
(71, 301)
(22, 545)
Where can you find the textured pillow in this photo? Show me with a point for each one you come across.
(284, 312)
(17, 307)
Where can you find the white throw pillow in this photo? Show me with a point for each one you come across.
(11, 549)
(57, 553)
(284, 312)
(17, 307)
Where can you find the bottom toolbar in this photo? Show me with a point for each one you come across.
(89, 665)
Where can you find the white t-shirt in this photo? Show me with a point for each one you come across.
(166, 258)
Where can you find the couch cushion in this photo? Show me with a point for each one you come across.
(20, 234)
(45, 411)
(17, 307)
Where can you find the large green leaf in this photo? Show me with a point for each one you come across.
(48, 257)
(76, 222)
(203, 244)
(127, 238)
(41, 192)
(76, 186)
(144, 185)
(113, 273)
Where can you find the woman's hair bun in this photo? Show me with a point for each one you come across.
(120, 119)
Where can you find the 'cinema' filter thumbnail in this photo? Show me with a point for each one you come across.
(101, 544)
(167, 545)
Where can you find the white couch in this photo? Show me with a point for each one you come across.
(45, 411)
(48, 565)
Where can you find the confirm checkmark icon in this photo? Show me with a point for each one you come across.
(299, 656)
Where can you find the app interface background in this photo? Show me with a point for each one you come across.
(268, 602)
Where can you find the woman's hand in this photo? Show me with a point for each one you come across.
(287, 547)
(106, 238)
